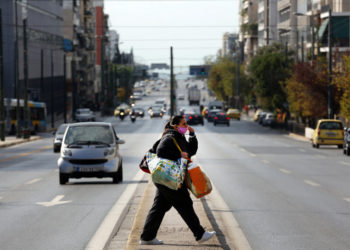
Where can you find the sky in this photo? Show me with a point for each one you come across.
(193, 27)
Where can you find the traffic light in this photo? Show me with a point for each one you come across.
(203, 71)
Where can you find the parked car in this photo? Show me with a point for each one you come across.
(234, 114)
(269, 120)
(84, 115)
(57, 141)
(212, 113)
(257, 114)
(346, 143)
(193, 118)
(221, 118)
(328, 132)
(90, 149)
(262, 116)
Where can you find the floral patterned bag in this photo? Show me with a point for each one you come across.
(167, 172)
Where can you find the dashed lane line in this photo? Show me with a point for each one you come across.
(253, 155)
(302, 150)
(26, 154)
(266, 161)
(312, 183)
(344, 163)
(285, 171)
(33, 181)
(346, 199)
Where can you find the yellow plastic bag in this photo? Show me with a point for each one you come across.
(197, 181)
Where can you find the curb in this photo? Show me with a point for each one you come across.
(299, 137)
(113, 220)
(19, 142)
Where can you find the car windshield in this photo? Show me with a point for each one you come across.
(83, 112)
(331, 125)
(89, 134)
(62, 129)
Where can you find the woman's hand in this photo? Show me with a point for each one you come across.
(190, 129)
(184, 155)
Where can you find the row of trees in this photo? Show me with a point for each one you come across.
(273, 81)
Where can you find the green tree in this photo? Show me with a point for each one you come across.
(223, 78)
(269, 69)
(342, 82)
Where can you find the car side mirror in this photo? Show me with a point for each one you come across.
(120, 141)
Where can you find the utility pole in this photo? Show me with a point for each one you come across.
(238, 75)
(103, 99)
(330, 69)
(51, 90)
(2, 118)
(74, 87)
(172, 95)
(41, 74)
(26, 133)
(312, 38)
(64, 88)
(302, 48)
(17, 87)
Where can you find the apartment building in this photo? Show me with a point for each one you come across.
(267, 22)
(248, 28)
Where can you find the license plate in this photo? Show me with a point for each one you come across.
(331, 134)
(80, 169)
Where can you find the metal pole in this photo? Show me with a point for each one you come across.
(2, 118)
(17, 87)
(64, 88)
(330, 70)
(26, 133)
(312, 38)
(302, 48)
(41, 74)
(172, 96)
(52, 101)
(74, 88)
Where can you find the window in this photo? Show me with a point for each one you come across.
(284, 15)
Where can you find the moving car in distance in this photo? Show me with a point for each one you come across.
(328, 132)
(90, 149)
(234, 114)
(84, 115)
(212, 113)
(193, 118)
(156, 111)
(221, 118)
(57, 141)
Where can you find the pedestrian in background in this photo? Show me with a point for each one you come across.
(165, 197)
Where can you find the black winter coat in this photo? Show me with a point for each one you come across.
(166, 148)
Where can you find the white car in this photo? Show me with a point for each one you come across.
(84, 115)
(90, 149)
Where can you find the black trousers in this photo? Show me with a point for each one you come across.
(166, 198)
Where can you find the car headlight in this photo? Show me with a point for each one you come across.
(109, 152)
(67, 152)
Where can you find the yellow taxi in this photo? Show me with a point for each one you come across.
(328, 132)
(234, 114)
(124, 107)
(205, 112)
(257, 114)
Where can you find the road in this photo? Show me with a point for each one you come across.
(283, 193)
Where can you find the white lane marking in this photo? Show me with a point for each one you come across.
(266, 161)
(302, 150)
(243, 150)
(55, 201)
(311, 183)
(346, 199)
(33, 181)
(253, 155)
(345, 163)
(0, 198)
(114, 218)
(321, 156)
(285, 171)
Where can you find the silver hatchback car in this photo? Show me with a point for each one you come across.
(90, 149)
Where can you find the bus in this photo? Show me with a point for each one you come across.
(37, 115)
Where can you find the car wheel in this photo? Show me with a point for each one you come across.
(228, 124)
(56, 149)
(63, 179)
(347, 151)
(118, 177)
(317, 145)
(214, 123)
(312, 144)
(340, 146)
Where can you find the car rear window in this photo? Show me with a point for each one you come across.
(89, 133)
(331, 125)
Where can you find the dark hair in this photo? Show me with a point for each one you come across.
(173, 121)
(176, 120)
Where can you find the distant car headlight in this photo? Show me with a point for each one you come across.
(67, 152)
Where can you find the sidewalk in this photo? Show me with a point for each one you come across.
(12, 140)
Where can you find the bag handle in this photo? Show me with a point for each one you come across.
(177, 145)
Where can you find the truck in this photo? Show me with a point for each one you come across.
(215, 105)
(194, 96)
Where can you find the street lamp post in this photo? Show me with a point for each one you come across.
(330, 69)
